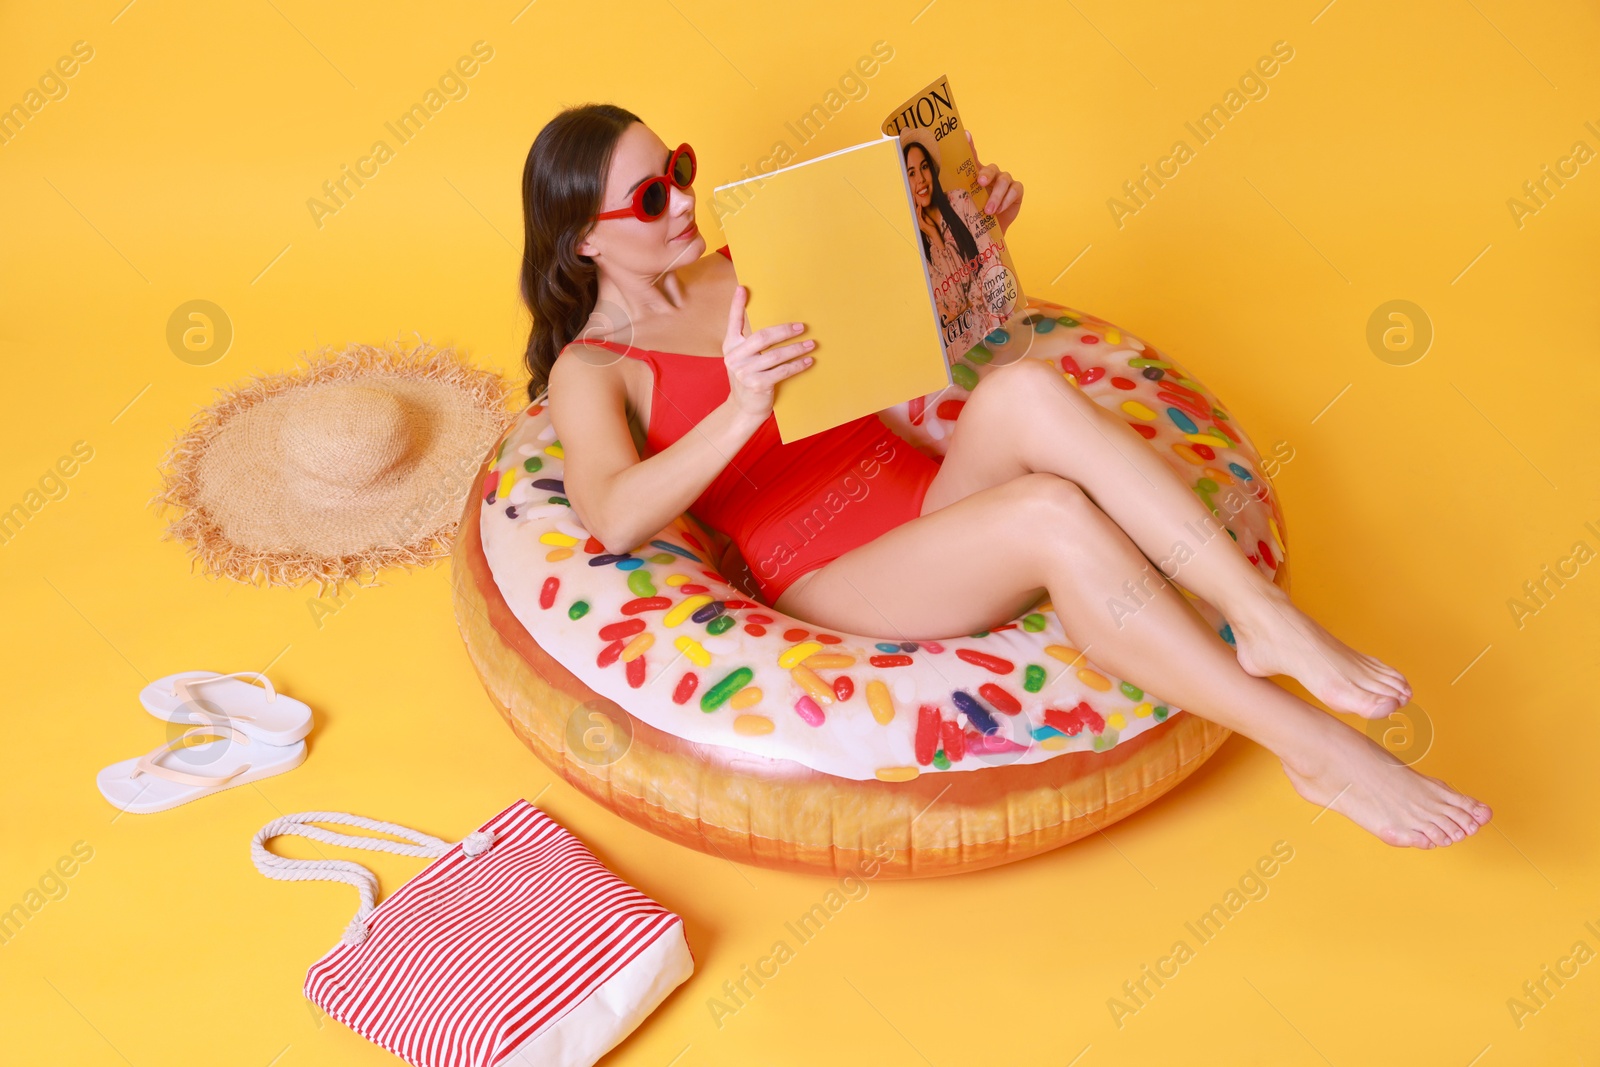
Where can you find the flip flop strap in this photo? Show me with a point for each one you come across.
(184, 688)
(353, 874)
(147, 763)
(218, 721)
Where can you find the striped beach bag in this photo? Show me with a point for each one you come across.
(514, 946)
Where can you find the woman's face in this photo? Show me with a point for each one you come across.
(919, 175)
(629, 243)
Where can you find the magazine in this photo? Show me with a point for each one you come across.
(970, 272)
(882, 249)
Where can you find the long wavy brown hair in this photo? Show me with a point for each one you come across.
(563, 185)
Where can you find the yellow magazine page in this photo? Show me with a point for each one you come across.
(831, 243)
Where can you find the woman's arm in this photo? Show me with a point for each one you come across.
(619, 498)
(623, 500)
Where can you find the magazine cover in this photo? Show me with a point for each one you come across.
(969, 266)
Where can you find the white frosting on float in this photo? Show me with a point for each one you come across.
(530, 536)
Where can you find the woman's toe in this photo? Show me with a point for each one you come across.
(1384, 688)
(1389, 675)
(1405, 839)
(1462, 814)
(1380, 705)
(1476, 809)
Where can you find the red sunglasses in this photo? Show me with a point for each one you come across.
(650, 199)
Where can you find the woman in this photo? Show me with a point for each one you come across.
(1058, 496)
(954, 237)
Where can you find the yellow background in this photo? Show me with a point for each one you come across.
(1378, 167)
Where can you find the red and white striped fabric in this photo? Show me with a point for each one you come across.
(525, 951)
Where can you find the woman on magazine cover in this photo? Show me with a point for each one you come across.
(1042, 491)
(954, 237)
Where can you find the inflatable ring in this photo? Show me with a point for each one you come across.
(657, 683)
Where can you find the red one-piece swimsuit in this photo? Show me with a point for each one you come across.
(790, 508)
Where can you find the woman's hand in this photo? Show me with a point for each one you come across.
(754, 369)
(1005, 195)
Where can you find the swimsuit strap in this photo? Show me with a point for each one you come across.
(633, 350)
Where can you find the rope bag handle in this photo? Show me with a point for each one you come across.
(353, 874)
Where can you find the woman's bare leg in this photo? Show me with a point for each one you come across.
(1025, 417)
(1041, 532)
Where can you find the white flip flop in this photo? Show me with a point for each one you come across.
(210, 699)
(169, 776)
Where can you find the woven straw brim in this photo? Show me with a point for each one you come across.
(246, 517)
(922, 137)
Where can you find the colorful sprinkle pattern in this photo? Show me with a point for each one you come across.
(664, 634)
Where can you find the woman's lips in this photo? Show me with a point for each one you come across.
(689, 232)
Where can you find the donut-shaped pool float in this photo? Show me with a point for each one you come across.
(657, 682)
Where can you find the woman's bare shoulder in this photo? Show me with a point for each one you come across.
(962, 201)
(587, 377)
(586, 367)
(590, 380)
(715, 263)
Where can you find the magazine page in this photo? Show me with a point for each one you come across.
(969, 266)
(786, 237)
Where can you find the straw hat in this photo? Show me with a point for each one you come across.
(359, 461)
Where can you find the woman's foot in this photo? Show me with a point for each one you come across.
(1346, 771)
(1275, 637)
